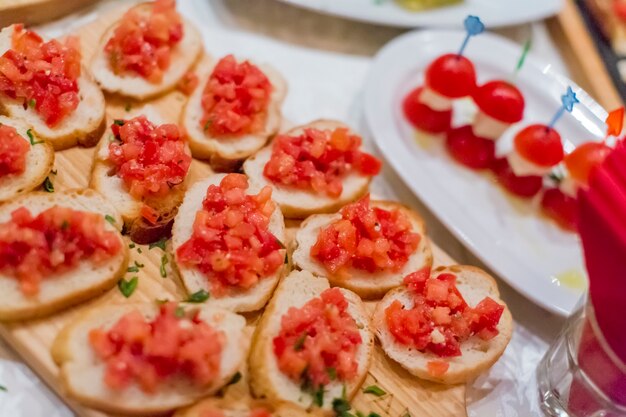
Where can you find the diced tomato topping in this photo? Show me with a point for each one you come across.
(318, 160)
(500, 100)
(539, 144)
(150, 159)
(54, 241)
(142, 43)
(231, 243)
(452, 76)
(423, 117)
(470, 150)
(318, 341)
(440, 319)
(44, 75)
(619, 8)
(260, 412)
(150, 214)
(235, 99)
(366, 238)
(584, 159)
(525, 186)
(437, 368)
(561, 208)
(13, 150)
(188, 83)
(173, 344)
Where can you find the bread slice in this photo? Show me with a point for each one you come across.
(184, 56)
(366, 284)
(193, 280)
(114, 189)
(82, 372)
(226, 153)
(69, 288)
(238, 408)
(298, 204)
(39, 162)
(267, 381)
(84, 126)
(477, 355)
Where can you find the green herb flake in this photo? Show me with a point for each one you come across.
(127, 288)
(139, 250)
(299, 345)
(198, 297)
(318, 396)
(332, 373)
(132, 269)
(32, 102)
(207, 124)
(374, 389)
(359, 414)
(48, 185)
(3, 388)
(31, 138)
(128, 107)
(118, 122)
(556, 177)
(158, 244)
(110, 219)
(341, 406)
(236, 378)
(132, 245)
(138, 265)
(164, 262)
(373, 414)
(179, 312)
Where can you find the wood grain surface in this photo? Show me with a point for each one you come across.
(32, 340)
(32, 12)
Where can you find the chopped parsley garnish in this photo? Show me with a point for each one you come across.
(198, 297)
(132, 245)
(299, 345)
(31, 138)
(110, 219)
(179, 312)
(158, 244)
(332, 373)
(236, 378)
(32, 102)
(118, 122)
(318, 396)
(164, 262)
(48, 185)
(207, 124)
(132, 269)
(374, 389)
(127, 288)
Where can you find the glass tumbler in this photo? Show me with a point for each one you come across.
(580, 375)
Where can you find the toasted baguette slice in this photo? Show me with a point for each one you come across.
(114, 189)
(226, 153)
(267, 381)
(39, 162)
(366, 284)
(69, 288)
(82, 372)
(477, 355)
(238, 408)
(298, 204)
(84, 126)
(193, 280)
(184, 55)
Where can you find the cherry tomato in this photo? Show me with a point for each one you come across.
(539, 144)
(500, 100)
(423, 117)
(13, 151)
(470, 150)
(451, 75)
(522, 186)
(560, 207)
(584, 159)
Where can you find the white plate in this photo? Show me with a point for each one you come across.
(493, 13)
(525, 249)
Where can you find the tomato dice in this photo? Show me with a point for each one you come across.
(500, 100)
(318, 342)
(142, 42)
(584, 159)
(13, 151)
(452, 76)
(539, 144)
(149, 159)
(366, 238)
(172, 345)
(470, 150)
(42, 75)
(619, 8)
(231, 243)
(235, 99)
(188, 83)
(318, 160)
(525, 186)
(437, 368)
(560, 207)
(423, 117)
(33, 248)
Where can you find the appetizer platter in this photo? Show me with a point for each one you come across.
(148, 272)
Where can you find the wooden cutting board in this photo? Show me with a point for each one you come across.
(32, 12)
(33, 339)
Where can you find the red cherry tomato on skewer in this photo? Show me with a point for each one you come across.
(584, 159)
(560, 207)
(500, 100)
(525, 186)
(452, 76)
(539, 144)
(470, 150)
(423, 117)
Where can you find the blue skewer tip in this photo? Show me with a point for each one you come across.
(473, 25)
(569, 99)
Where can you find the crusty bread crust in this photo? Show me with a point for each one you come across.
(81, 284)
(298, 204)
(82, 373)
(39, 163)
(184, 56)
(193, 280)
(84, 126)
(478, 355)
(225, 154)
(367, 285)
(266, 380)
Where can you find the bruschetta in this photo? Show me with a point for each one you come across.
(239, 408)
(141, 166)
(147, 52)
(145, 359)
(56, 250)
(229, 242)
(44, 84)
(368, 247)
(297, 344)
(448, 327)
(25, 160)
(234, 112)
(315, 168)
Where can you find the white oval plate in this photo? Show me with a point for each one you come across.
(511, 237)
(493, 13)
